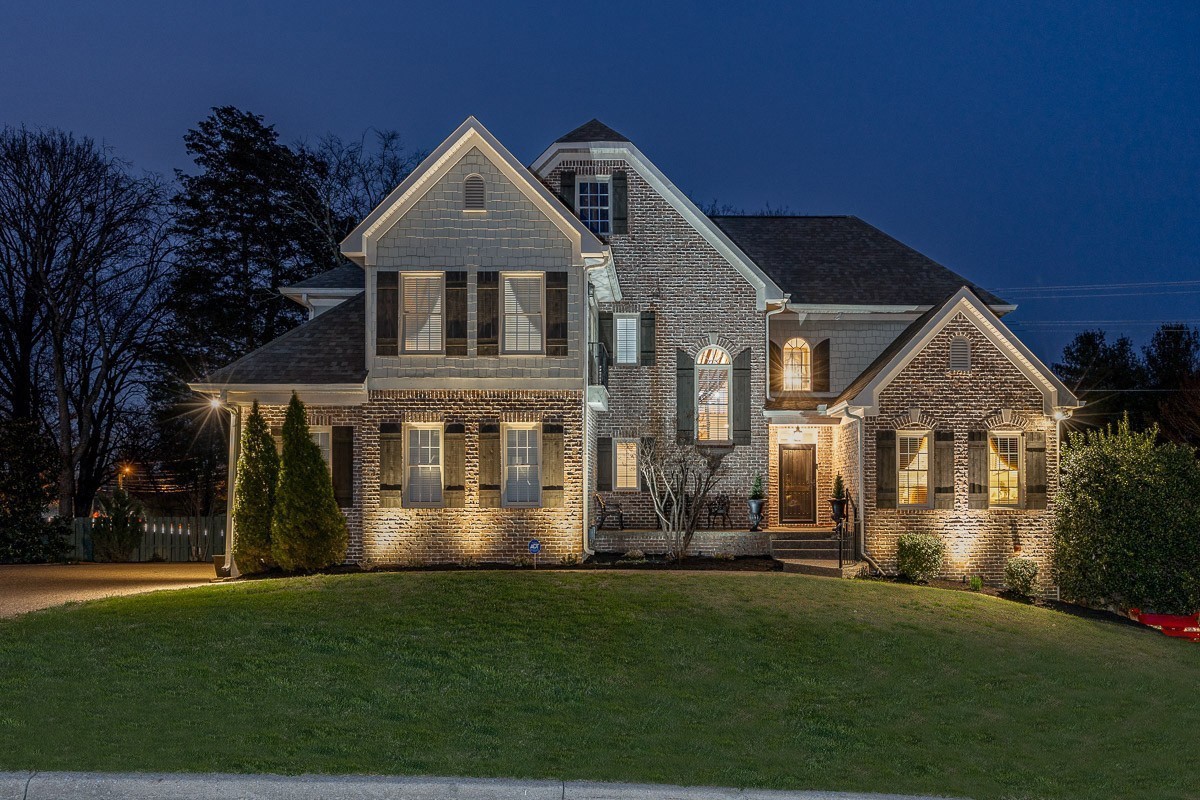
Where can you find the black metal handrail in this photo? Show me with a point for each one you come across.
(598, 364)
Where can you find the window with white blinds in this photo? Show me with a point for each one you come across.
(522, 473)
(625, 473)
(421, 312)
(626, 334)
(423, 466)
(523, 313)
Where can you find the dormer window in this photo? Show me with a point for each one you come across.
(797, 366)
(474, 194)
(593, 201)
(960, 354)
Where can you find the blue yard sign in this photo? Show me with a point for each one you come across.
(535, 546)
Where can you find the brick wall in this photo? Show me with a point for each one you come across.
(978, 541)
(823, 437)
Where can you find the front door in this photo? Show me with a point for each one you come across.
(798, 483)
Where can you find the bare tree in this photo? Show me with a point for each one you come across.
(680, 477)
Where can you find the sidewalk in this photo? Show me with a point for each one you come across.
(149, 786)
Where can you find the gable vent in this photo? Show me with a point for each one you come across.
(474, 193)
(960, 354)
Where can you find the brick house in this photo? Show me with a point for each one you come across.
(506, 338)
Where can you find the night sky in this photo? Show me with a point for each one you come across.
(1052, 145)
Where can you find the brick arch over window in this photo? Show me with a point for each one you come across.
(913, 418)
(1007, 419)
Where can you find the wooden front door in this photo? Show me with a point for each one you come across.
(798, 483)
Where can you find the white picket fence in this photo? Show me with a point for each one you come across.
(164, 539)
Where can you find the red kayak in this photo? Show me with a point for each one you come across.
(1173, 625)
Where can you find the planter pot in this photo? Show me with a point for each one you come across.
(838, 508)
(756, 513)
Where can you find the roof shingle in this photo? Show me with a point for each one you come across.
(346, 276)
(593, 131)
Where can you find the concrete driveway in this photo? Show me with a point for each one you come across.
(29, 587)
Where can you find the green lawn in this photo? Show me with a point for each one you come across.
(753, 679)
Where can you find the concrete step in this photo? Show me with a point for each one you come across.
(827, 568)
(813, 541)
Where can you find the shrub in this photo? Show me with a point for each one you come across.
(118, 529)
(308, 531)
(1126, 522)
(975, 584)
(28, 472)
(254, 500)
(1020, 575)
(920, 556)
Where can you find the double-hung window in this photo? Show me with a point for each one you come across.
(626, 335)
(423, 465)
(912, 462)
(713, 379)
(421, 316)
(1004, 470)
(594, 204)
(524, 317)
(625, 453)
(522, 465)
(322, 436)
(797, 366)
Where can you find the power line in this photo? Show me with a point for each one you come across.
(1089, 286)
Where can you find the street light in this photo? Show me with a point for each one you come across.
(217, 403)
(121, 473)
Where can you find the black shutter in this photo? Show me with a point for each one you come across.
(387, 313)
(1035, 469)
(556, 314)
(647, 338)
(685, 396)
(342, 465)
(620, 202)
(775, 368)
(454, 475)
(606, 334)
(977, 469)
(943, 469)
(741, 397)
(487, 313)
(489, 464)
(566, 182)
(553, 495)
(604, 464)
(885, 469)
(820, 356)
(644, 446)
(456, 313)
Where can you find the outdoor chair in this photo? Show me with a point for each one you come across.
(604, 510)
(718, 508)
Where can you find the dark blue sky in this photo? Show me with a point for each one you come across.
(1023, 145)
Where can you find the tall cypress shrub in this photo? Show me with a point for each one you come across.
(308, 531)
(254, 500)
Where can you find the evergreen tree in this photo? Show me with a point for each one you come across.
(308, 531)
(257, 476)
(1109, 376)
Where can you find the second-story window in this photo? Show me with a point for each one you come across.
(713, 407)
(421, 319)
(523, 318)
(625, 334)
(594, 205)
(797, 366)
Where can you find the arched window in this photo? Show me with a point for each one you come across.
(797, 366)
(714, 370)
(474, 194)
(960, 354)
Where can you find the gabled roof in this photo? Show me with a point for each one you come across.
(592, 131)
(328, 349)
(346, 276)
(864, 390)
(842, 260)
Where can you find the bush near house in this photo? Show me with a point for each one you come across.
(1020, 576)
(254, 500)
(308, 531)
(919, 556)
(1127, 526)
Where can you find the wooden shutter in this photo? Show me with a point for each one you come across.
(341, 456)
(620, 202)
(646, 338)
(456, 313)
(1035, 469)
(606, 334)
(685, 396)
(775, 368)
(741, 397)
(454, 470)
(552, 466)
(566, 191)
(391, 465)
(943, 469)
(487, 315)
(644, 446)
(885, 469)
(489, 464)
(604, 464)
(556, 314)
(977, 469)
(387, 313)
(820, 366)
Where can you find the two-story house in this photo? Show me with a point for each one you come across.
(509, 337)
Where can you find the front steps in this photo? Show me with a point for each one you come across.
(810, 551)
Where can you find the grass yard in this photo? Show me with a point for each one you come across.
(765, 680)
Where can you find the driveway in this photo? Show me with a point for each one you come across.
(30, 587)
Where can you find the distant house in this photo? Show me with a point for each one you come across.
(508, 337)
